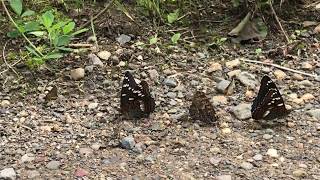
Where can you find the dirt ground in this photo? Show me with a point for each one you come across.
(80, 135)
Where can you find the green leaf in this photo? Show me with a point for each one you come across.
(27, 13)
(172, 17)
(153, 40)
(38, 33)
(62, 40)
(32, 51)
(47, 19)
(16, 6)
(13, 34)
(69, 27)
(32, 26)
(175, 38)
(53, 56)
(59, 25)
(79, 31)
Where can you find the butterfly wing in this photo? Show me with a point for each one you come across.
(148, 101)
(202, 109)
(52, 94)
(269, 103)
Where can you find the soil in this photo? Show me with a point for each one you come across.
(81, 134)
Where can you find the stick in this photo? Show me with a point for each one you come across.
(5, 61)
(96, 16)
(279, 23)
(280, 67)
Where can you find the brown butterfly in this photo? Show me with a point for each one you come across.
(52, 94)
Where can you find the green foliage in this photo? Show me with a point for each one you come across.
(258, 51)
(175, 38)
(55, 33)
(172, 17)
(153, 40)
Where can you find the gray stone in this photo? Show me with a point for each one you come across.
(122, 39)
(224, 177)
(128, 142)
(32, 174)
(222, 85)
(94, 60)
(246, 165)
(53, 165)
(267, 136)
(171, 95)
(85, 151)
(8, 173)
(194, 83)
(154, 75)
(242, 111)
(93, 105)
(314, 113)
(170, 82)
(258, 157)
(248, 79)
(27, 158)
(215, 161)
(105, 55)
(306, 83)
(77, 74)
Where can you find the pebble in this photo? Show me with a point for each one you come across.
(77, 74)
(8, 173)
(246, 165)
(306, 66)
(85, 151)
(306, 83)
(299, 173)
(258, 157)
(279, 74)
(248, 79)
(93, 105)
(53, 165)
(27, 158)
(171, 95)
(81, 172)
(267, 136)
(222, 85)
(298, 77)
(215, 161)
(242, 111)
(95, 60)
(5, 103)
(314, 113)
(33, 174)
(272, 153)
(170, 82)
(233, 64)
(234, 73)
(219, 100)
(153, 74)
(214, 67)
(122, 39)
(105, 55)
(128, 142)
(307, 97)
(226, 130)
(224, 177)
(96, 146)
(122, 64)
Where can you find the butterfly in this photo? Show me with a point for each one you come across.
(135, 100)
(269, 103)
(52, 94)
(202, 109)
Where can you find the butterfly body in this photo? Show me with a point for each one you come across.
(202, 109)
(135, 100)
(269, 103)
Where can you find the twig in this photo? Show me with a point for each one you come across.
(94, 33)
(80, 45)
(280, 67)
(279, 23)
(96, 16)
(5, 61)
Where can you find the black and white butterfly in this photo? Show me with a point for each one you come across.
(201, 108)
(269, 103)
(136, 100)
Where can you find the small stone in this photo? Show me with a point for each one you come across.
(194, 83)
(249, 94)
(234, 73)
(96, 146)
(307, 66)
(232, 64)
(258, 157)
(299, 173)
(171, 95)
(215, 161)
(222, 85)
(246, 165)
(248, 79)
(297, 77)
(154, 75)
(224, 177)
(267, 136)
(27, 158)
(219, 100)
(33, 174)
(122, 39)
(8, 173)
(309, 23)
(303, 166)
(122, 64)
(306, 83)
(242, 111)
(170, 82)
(128, 142)
(93, 105)
(280, 75)
(307, 97)
(53, 165)
(291, 124)
(77, 74)
(94, 60)
(81, 172)
(23, 113)
(214, 67)
(272, 153)
(226, 130)
(105, 55)
(314, 113)
(5, 103)
(85, 151)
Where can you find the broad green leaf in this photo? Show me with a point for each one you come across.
(172, 17)
(175, 38)
(53, 56)
(69, 27)
(59, 25)
(79, 31)
(32, 26)
(38, 33)
(27, 13)
(63, 40)
(47, 19)
(16, 6)
(153, 40)
(32, 51)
